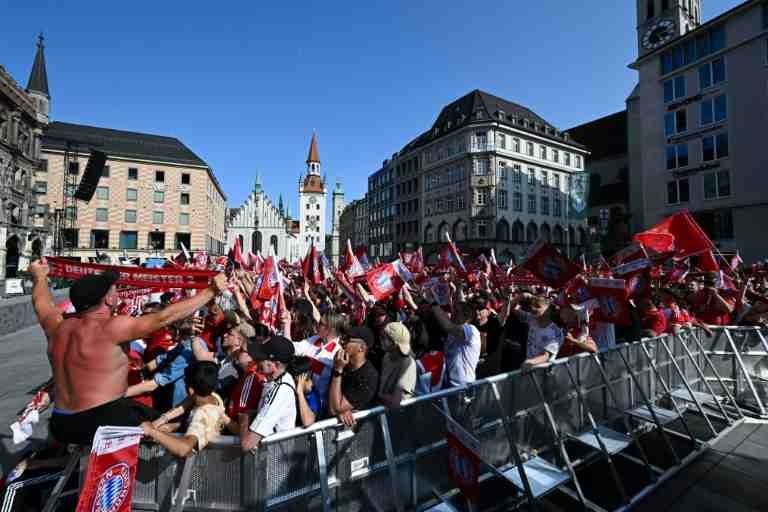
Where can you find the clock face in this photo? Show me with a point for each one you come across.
(658, 34)
(312, 200)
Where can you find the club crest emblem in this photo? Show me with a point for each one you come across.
(551, 269)
(112, 488)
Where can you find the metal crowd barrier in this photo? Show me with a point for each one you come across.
(594, 431)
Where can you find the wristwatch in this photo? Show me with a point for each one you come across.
(337, 373)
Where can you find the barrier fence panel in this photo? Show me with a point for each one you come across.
(597, 430)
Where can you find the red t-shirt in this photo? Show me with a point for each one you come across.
(655, 321)
(246, 394)
(703, 310)
(213, 328)
(569, 348)
(158, 343)
(434, 361)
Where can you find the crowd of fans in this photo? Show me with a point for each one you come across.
(223, 372)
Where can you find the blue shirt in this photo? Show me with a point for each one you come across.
(173, 372)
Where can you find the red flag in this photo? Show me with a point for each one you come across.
(311, 266)
(631, 252)
(383, 281)
(270, 280)
(345, 286)
(612, 296)
(201, 260)
(707, 262)
(736, 261)
(678, 232)
(111, 470)
(550, 265)
(352, 266)
(417, 263)
(236, 253)
(362, 256)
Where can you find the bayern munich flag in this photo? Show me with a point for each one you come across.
(111, 470)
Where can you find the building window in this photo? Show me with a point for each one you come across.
(133, 173)
(481, 196)
(130, 216)
(677, 155)
(184, 219)
(502, 176)
(502, 199)
(515, 144)
(717, 184)
(70, 238)
(544, 178)
(71, 213)
(675, 122)
(577, 161)
(567, 159)
(102, 193)
(531, 176)
(129, 240)
(100, 239)
(517, 201)
(481, 168)
(159, 196)
(556, 181)
(718, 224)
(41, 187)
(157, 217)
(529, 148)
(501, 140)
(556, 156)
(74, 167)
(460, 202)
(160, 176)
(184, 198)
(711, 73)
(131, 194)
(69, 190)
(543, 152)
(531, 203)
(517, 175)
(43, 165)
(714, 146)
(557, 207)
(105, 172)
(544, 205)
(156, 240)
(678, 191)
(674, 89)
(482, 229)
(186, 178)
(102, 214)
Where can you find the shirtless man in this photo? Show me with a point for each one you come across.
(87, 351)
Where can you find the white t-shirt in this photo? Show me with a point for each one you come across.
(541, 339)
(462, 356)
(321, 358)
(277, 407)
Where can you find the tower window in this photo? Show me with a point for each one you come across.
(664, 5)
(651, 9)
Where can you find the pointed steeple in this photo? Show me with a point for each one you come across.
(38, 78)
(257, 183)
(280, 205)
(314, 154)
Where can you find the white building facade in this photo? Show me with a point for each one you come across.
(260, 224)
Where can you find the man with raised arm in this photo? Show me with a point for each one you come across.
(87, 352)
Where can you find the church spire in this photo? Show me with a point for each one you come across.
(314, 154)
(257, 183)
(280, 205)
(38, 77)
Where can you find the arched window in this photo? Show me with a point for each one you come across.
(242, 242)
(558, 235)
(442, 231)
(429, 234)
(531, 232)
(256, 242)
(502, 231)
(273, 243)
(460, 230)
(545, 233)
(518, 232)
(572, 236)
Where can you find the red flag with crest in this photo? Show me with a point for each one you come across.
(311, 266)
(678, 232)
(550, 265)
(383, 281)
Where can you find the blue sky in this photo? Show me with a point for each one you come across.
(244, 85)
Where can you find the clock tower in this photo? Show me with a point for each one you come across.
(312, 202)
(661, 21)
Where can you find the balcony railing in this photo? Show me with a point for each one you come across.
(480, 146)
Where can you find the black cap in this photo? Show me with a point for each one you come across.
(276, 348)
(361, 333)
(87, 291)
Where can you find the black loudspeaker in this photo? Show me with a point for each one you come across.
(91, 176)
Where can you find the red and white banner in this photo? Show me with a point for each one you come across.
(463, 459)
(111, 470)
(383, 281)
(612, 296)
(550, 265)
(138, 277)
